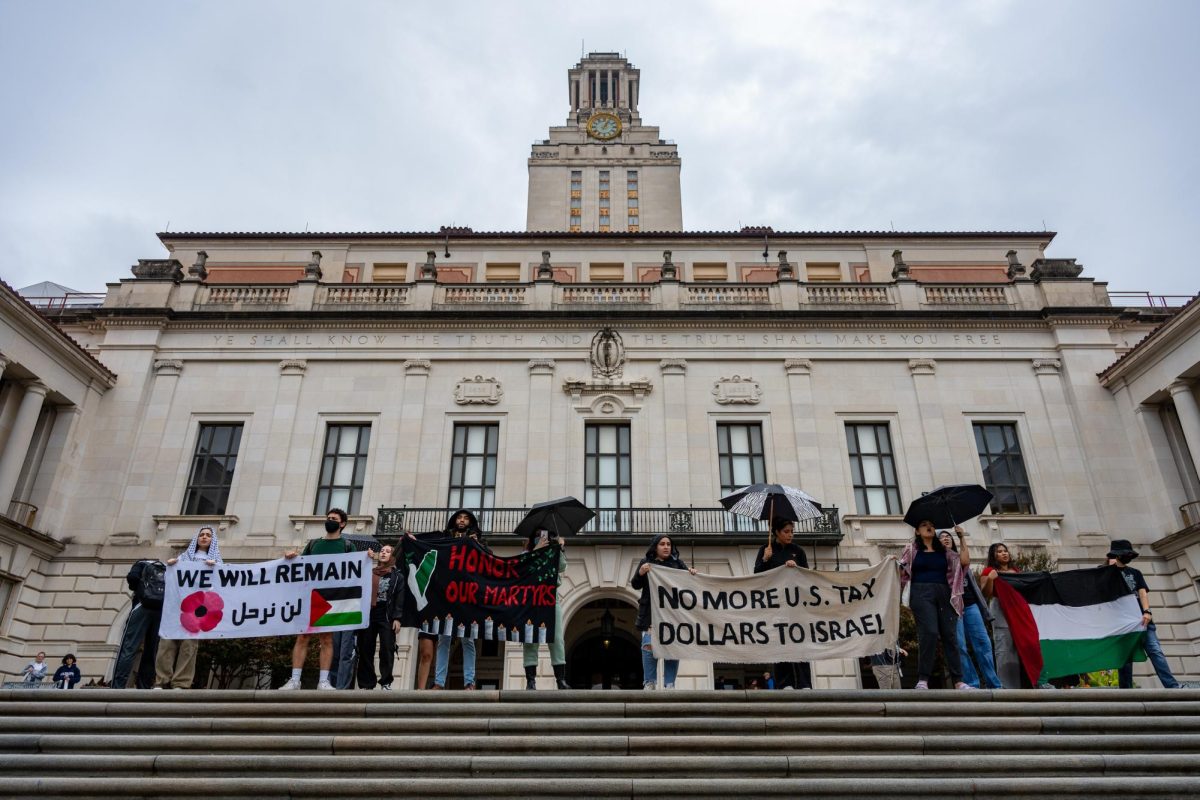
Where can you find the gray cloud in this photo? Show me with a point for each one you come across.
(925, 116)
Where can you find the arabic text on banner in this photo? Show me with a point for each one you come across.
(457, 588)
(782, 615)
(306, 594)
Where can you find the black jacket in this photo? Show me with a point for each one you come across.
(473, 530)
(70, 674)
(642, 583)
(780, 555)
(134, 580)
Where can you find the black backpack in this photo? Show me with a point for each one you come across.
(153, 583)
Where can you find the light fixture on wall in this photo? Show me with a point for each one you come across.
(607, 626)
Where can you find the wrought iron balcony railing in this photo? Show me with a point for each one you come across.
(692, 522)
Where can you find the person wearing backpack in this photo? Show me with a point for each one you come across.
(175, 667)
(331, 544)
(147, 581)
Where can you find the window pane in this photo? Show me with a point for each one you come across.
(872, 474)
(473, 465)
(473, 475)
(608, 471)
(877, 501)
(866, 439)
(608, 439)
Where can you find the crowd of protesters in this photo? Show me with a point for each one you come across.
(951, 607)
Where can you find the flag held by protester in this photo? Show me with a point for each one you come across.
(1073, 622)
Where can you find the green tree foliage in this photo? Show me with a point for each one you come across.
(253, 663)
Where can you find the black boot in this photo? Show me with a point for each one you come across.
(560, 676)
(531, 676)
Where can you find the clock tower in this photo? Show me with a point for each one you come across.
(604, 171)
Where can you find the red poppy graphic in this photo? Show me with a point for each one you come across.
(200, 611)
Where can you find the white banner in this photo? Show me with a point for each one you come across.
(306, 594)
(786, 614)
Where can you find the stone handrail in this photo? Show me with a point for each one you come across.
(966, 294)
(728, 294)
(605, 294)
(849, 294)
(470, 294)
(362, 294)
(254, 294)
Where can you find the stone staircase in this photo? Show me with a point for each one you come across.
(577, 744)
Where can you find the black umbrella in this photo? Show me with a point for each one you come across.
(767, 500)
(563, 516)
(947, 506)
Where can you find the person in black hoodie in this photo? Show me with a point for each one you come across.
(462, 523)
(67, 675)
(661, 554)
(386, 582)
(141, 627)
(781, 551)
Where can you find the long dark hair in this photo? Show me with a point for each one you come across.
(778, 524)
(938, 547)
(991, 556)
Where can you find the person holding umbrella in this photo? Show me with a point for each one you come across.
(546, 524)
(781, 551)
(935, 574)
(660, 555)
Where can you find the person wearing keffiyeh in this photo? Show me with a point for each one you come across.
(175, 666)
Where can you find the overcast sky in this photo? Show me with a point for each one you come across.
(120, 118)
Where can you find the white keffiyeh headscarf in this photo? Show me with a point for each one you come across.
(214, 552)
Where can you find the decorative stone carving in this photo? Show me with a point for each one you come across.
(578, 388)
(1016, 269)
(197, 271)
(168, 366)
(673, 366)
(158, 269)
(429, 268)
(417, 366)
(669, 273)
(737, 391)
(607, 354)
(899, 268)
(541, 366)
(478, 391)
(1055, 268)
(1047, 366)
(293, 366)
(545, 271)
(312, 271)
(922, 366)
(797, 366)
(786, 272)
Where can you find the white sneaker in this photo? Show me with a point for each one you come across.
(649, 687)
(325, 685)
(387, 687)
(290, 685)
(922, 685)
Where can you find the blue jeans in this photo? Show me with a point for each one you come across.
(650, 666)
(442, 665)
(341, 671)
(981, 646)
(1157, 659)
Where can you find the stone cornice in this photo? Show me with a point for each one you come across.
(1162, 339)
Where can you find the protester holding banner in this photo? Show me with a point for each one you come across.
(175, 667)
(1119, 555)
(972, 629)
(462, 523)
(529, 650)
(660, 555)
(386, 583)
(935, 575)
(1008, 663)
(331, 544)
(781, 551)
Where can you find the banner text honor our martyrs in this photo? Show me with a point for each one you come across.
(457, 588)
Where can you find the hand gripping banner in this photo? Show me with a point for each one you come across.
(457, 588)
(306, 594)
(782, 615)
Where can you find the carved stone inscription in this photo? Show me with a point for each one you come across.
(478, 390)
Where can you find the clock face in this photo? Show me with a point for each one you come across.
(604, 126)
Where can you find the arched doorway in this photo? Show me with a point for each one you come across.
(603, 648)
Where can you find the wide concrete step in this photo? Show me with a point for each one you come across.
(552, 786)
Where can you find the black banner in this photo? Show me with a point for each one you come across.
(457, 587)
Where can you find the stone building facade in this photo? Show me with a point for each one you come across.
(249, 381)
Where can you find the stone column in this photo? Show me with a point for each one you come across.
(933, 425)
(277, 495)
(1073, 470)
(412, 474)
(3, 365)
(675, 431)
(804, 424)
(1189, 417)
(9, 404)
(13, 457)
(540, 411)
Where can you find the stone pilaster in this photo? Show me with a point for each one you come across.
(675, 431)
(19, 439)
(540, 412)
(810, 470)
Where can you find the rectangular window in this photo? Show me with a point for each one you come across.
(212, 469)
(873, 468)
(1003, 467)
(608, 487)
(633, 202)
(633, 218)
(709, 272)
(605, 204)
(576, 203)
(632, 179)
(604, 180)
(576, 180)
(741, 463)
(389, 273)
(503, 272)
(473, 465)
(823, 271)
(606, 272)
(343, 468)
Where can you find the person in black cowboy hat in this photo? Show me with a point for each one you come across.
(1120, 553)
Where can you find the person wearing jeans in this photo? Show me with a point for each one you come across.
(972, 630)
(1119, 555)
(441, 668)
(660, 555)
(935, 597)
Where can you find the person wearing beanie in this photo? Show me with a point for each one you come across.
(1120, 553)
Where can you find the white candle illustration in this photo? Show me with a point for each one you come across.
(542, 633)
(460, 631)
(474, 630)
(435, 625)
(528, 631)
(513, 634)
(488, 628)
(425, 626)
(500, 633)
(448, 626)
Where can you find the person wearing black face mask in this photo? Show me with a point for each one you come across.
(331, 544)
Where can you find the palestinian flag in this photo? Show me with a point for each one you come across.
(336, 605)
(1067, 623)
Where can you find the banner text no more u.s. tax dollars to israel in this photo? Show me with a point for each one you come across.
(306, 594)
(783, 615)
